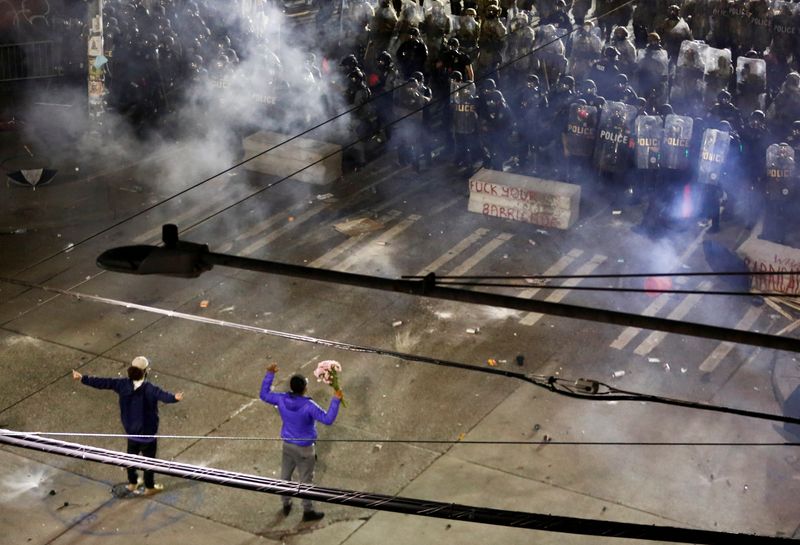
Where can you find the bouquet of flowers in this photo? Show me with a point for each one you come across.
(328, 372)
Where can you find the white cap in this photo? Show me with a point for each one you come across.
(141, 362)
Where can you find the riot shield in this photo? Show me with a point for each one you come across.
(784, 28)
(581, 130)
(688, 84)
(614, 145)
(464, 110)
(676, 142)
(751, 84)
(649, 134)
(654, 60)
(780, 171)
(718, 71)
(713, 153)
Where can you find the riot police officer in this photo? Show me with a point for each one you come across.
(779, 190)
(724, 110)
(604, 72)
(412, 55)
(464, 120)
(495, 128)
(408, 104)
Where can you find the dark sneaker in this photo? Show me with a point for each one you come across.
(309, 516)
(287, 508)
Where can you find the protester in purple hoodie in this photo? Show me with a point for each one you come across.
(300, 415)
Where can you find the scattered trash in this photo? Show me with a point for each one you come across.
(492, 362)
(683, 369)
(620, 260)
(228, 309)
(505, 256)
(52, 492)
(290, 218)
(746, 488)
(536, 427)
(232, 174)
(324, 196)
(381, 242)
(654, 360)
(502, 361)
(377, 447)
(547, 438)
(532, 242)
(666, 367)
(542, 232)
(19, 231)
(461, 436)
(520, 359)
(618, 374)
(204, 303)
(397, 323)
(473, 330)
(356, 227)
(69, 247)
(616, 212)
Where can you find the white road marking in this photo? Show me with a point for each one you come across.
(454, 252)
(305, 216)
(557, 295)
(386, 237)
(481, 254)
(679, 313)
(556, 268)
(723, 349)
(653, 308)
(326, 259)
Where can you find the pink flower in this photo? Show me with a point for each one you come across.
(327, 371)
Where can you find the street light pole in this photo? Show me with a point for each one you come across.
(189, 260)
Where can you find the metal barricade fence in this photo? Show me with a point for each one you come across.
(28, 60)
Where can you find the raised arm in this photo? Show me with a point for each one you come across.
(101, 383)
(266, 386)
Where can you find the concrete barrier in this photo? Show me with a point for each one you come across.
(524, 198)
(293, 156)
(765, 256)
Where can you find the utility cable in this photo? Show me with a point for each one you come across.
(547, 441)
(625, 275)
(328, 156)
(581, 389)
(396, 504)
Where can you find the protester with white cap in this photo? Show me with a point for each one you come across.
(138, 405)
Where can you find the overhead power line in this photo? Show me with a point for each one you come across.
(453, 442)
(396, 504)
(581, 389)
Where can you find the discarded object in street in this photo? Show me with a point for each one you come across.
(492, 362)
(520, 360)
(616, 212)
(397, 323)
(473, 330)
(33, 177)
(654, 360)
(324, 196)
(204, 303)
(617, 374)
(359, 226)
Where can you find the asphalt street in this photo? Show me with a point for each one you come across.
(408, 224)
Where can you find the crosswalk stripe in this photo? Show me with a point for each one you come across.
(655, 307)
(305, 216)
(723, 349)
(325, 259)
(454, 252)
(557, 295)
(386, 237)
(678, 313)
(481, 254)
(556, 268)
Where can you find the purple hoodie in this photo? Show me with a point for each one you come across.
(298, 413)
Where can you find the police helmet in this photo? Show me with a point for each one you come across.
(492, 11)
(470, 12)
(533, 78)
(453, 43)
(567, 82)
(589, 87)
(356, 76)
(413, 32)
(384, 58)
(725, 126)
(673, 11)
(724, 96)
(622, 79)
(793, 80)
(758, 114)
(494, 96)
(665, 109)
(620, 32)
(456, 76)
(488, 84)
(653, 37)
(349, 61)
(418, 76)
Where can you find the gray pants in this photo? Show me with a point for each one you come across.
(303, 459)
